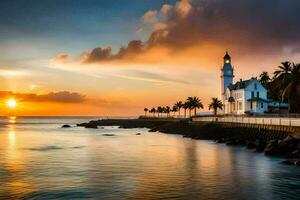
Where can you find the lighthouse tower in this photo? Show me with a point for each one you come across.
(226, 75)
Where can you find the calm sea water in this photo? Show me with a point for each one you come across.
(39, 160)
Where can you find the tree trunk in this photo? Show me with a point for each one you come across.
(184, 113)
(215, 112)
(195, 111)
(190, 112)
(179, 111)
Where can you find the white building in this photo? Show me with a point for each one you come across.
(244, 96)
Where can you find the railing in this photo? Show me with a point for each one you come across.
(270, 120)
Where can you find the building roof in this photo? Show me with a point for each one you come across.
(227, 56)
(259, 99)
(240, 84)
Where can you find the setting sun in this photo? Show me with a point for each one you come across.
(11, 103)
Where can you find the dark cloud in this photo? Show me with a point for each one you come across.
(62, 97)
(104, 54)
(99, 54)
(250, 25)
(254, 24)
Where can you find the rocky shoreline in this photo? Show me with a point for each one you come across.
(272, 141)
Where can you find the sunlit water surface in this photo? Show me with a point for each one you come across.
(40, 160)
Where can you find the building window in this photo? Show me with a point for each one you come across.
(255, 86)
(252, 94)
(257, 94)
(262, 105)
(251, 105)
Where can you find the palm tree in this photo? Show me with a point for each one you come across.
(179, 105)
(194, 103)
(215, 104)
(167, 110)
(264, 78)
(175, 109)
(153, 111)
(281, 79)
(185, 107)
(145, 110)
(284, 70)
(159, 110)
(292, 90)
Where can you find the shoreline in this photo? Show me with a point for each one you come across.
(270, 140)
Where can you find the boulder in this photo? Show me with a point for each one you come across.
(222, 140)
(296, 153)
(66, 126)
(138, 134)
(291, 141)
(232, 142)
(251, 145)
(287, 162)
(261, 145)
(297, 163)
(91, 126)
(280, 148)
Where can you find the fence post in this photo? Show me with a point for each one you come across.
(280, 122)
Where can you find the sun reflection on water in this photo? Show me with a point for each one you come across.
(12, 119)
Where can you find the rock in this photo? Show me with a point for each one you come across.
(66, 126)
(222, 140)
(138, 134)
(261, 145)
(232, 142)
(242, 142)
(291, 141)
(287, 162)
(251, 145)
(107, 134)
(272, 148)
(297, 163)
(280, 148)
(82, 124)
(296, 153)
(91, 126)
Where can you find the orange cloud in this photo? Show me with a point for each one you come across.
(63, 57)
(61, 97)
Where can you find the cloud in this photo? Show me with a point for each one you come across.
(150, 77)
(61, 97)
(63, 57)
(166, 9)
(183, 7)
(150, 16)
(99, 54)
(248, 26)
(160, 26)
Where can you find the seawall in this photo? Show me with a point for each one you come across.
(203, 130)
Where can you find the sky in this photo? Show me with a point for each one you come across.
(102, 57)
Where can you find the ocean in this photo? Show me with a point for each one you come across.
(41, 160)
